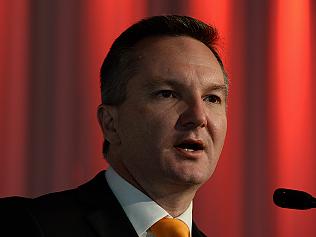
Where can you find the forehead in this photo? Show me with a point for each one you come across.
(177, 58)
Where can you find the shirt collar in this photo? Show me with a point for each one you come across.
(141, 210)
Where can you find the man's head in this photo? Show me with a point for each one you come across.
(121, 63)
(163, 106)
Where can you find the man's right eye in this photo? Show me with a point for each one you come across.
(166, 94)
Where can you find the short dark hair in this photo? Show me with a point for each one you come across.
(120, 65)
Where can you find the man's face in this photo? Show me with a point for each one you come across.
(172, 125)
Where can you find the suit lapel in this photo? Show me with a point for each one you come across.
(104, 213)
(196, 232)
(106, 226)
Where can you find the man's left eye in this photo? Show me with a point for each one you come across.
(213, 99)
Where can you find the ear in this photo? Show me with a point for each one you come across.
(107, 118)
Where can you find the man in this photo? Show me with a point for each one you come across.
(163, 116)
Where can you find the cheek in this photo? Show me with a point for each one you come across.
(218, 127)
(222, 126)
(139, 127)
(222, 129)
(156, 126)
(159, 127)
(151, 125)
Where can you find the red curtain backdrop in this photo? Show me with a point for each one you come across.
(50, 55)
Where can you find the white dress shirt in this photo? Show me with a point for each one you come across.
(140, 209)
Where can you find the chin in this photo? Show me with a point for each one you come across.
(194, 172)
(192, 177)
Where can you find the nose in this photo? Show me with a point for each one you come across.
(193, 116)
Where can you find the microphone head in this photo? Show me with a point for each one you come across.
(293, 199)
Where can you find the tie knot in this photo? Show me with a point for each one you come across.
(170, 227)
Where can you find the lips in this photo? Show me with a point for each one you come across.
(190, 145)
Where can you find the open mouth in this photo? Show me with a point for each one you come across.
(190, 145)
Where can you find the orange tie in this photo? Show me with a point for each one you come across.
(170, 227)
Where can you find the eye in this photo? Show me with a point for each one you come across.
(213, 99)
(166, 94)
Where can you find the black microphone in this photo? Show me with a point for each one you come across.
(293, 199)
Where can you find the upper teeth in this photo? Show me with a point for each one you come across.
(186, 149)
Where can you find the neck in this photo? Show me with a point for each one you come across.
(173, 198)
(174, 203)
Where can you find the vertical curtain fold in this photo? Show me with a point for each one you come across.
(13, 95)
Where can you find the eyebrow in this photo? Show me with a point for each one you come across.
(173, 83)
(219, 87)
(161, 82)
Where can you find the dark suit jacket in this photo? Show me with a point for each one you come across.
(91, 210)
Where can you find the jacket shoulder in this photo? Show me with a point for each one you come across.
(59, 211)
(15, 217)
(12, 204)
